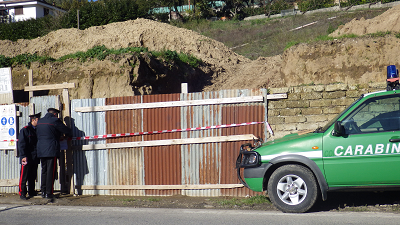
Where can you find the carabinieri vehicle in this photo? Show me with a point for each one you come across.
(359, 148)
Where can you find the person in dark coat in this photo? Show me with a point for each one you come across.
(49, 131)
(28, 157)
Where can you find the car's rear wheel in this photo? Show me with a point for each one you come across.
(292, 188)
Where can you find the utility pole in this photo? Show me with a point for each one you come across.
(77, 15)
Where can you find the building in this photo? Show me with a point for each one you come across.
(19, 10)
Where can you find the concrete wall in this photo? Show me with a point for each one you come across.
(310, 107)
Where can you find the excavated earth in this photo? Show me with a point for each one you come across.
(356, 61)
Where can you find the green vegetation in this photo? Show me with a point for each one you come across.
(307, 5)
(380, 34)
(28, 29)
(100, 53)
(128, 200)
(23, 59)
(152, 199)
(271, 36)
(258, 199)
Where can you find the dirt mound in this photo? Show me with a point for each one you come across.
(388, 21)
(354, 61)
(138, 33)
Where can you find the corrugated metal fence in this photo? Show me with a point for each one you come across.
(114, 171)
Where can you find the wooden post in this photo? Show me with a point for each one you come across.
(69, 152)
(30, 77)
(31, 109)
(184, 88)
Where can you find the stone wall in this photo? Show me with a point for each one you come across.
(310, 107)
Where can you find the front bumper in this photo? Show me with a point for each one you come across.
(254, 170)
(254, 177)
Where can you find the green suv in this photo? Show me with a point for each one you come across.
(359, 148)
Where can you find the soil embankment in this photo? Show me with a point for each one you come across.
(355, 61)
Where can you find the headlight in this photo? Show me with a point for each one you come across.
(253, 158)
(250, 159)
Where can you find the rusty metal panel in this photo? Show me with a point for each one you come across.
(238, 113)
(123, 121)
(125, 164)
(126, 168)
(214, 163)
(200, 162)
(90, 167)
(162, 163)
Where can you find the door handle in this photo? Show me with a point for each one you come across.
(394, 140)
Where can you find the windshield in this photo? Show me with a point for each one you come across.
(329, 124)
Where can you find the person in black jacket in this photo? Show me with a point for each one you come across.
(28, 157)
(49, 131)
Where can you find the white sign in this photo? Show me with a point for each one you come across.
(5, 80)
(8, 127)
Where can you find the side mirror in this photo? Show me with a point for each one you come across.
(338, 129)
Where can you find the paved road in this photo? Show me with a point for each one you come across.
(50, 214)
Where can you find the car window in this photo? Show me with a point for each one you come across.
(378, 114)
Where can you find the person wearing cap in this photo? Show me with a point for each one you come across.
(49, 131)
(27, 150)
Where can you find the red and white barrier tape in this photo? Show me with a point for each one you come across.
(165, 131)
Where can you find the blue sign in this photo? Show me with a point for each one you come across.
(11, 120)
(11, 131)
(3, 121)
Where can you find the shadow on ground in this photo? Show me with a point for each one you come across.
(360, 201)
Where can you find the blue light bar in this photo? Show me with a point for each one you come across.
(392, 72)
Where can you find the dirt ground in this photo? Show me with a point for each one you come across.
(388, 201)
(353, 61)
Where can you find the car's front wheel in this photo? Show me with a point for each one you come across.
(292, 188)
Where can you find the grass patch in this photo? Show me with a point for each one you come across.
(100, 53)
(128, 200)
(154, 199)
(269, 37)
(258, 199)
(379, 34)
(290, 44)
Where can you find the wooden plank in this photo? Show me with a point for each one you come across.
(9, 182)
(158, 187)
(170, 142)
(171, 104)
(49, 87)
